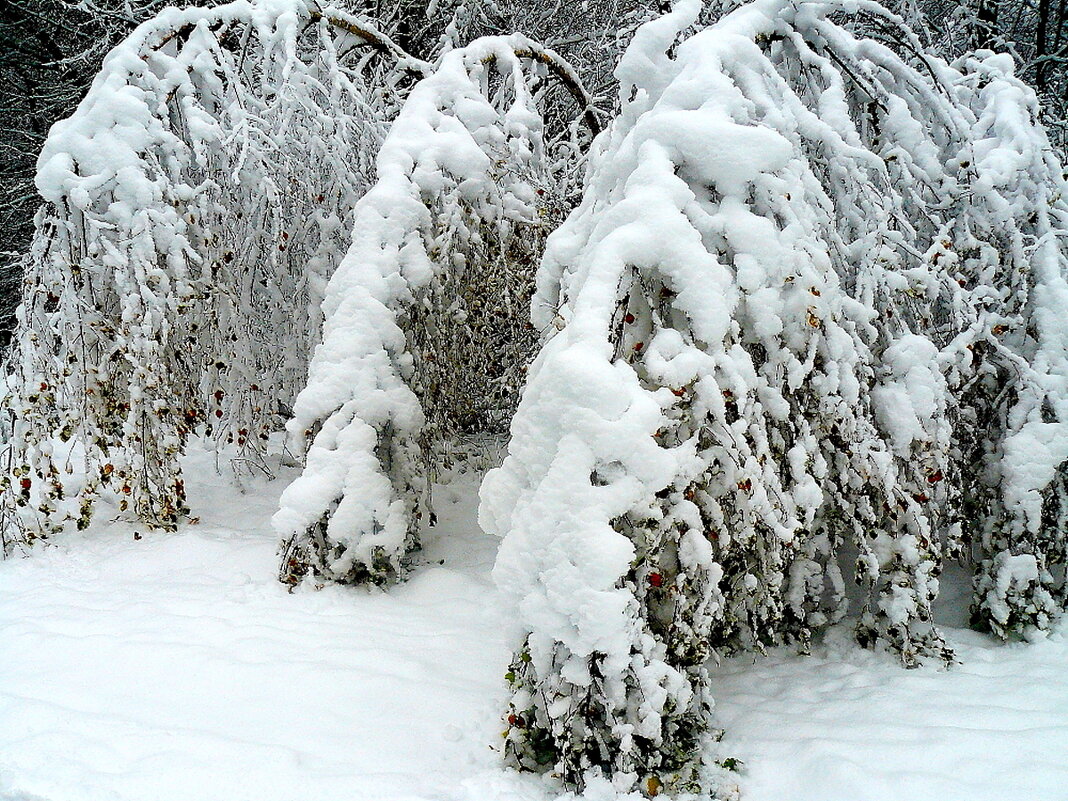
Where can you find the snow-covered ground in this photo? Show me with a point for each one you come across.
(849, 725)
(174, 667)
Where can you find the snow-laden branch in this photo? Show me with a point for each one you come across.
(426, 333)
(197, 201)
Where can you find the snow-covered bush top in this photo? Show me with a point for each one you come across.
(125, 121)
(810, 297)
(433, 291)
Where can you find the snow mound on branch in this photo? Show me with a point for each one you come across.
(910, 395)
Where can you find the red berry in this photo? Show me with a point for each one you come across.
(629, 318)
(656, 580)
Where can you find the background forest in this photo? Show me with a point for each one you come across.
(51, 49)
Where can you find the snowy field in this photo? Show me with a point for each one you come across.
(173, 667)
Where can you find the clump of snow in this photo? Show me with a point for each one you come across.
(911, 394)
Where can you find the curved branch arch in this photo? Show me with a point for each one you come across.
(164, 28)
(562, 72)
(196, 203)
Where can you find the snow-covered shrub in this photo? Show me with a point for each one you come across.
(762, 332)
(427, 334)
(195, 205)
(1014, 429)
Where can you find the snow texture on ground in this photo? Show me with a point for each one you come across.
(174, 667)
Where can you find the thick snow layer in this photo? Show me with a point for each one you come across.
(176, 667)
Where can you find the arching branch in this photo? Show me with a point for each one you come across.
(563, 72)
(340, 19)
